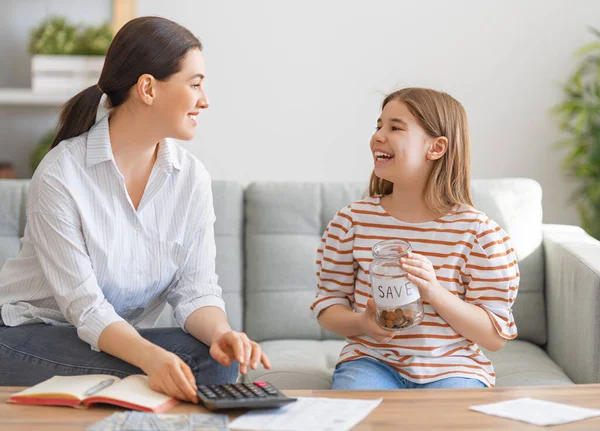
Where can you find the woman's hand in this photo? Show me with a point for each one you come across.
(369, 326)
(237, 346)
(420, 271)
(168, 374)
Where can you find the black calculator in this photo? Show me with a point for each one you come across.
(254, 395)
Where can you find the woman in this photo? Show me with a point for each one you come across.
(120, 220)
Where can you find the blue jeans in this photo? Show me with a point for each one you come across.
(370, 374)
(30, 354)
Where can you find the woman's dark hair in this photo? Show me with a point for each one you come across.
(147, 44)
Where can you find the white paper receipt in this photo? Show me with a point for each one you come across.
(537, 412)
(315, 414)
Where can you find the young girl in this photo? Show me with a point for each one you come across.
(462, 262)
(119, 221)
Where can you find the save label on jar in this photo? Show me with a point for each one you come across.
(394, 292)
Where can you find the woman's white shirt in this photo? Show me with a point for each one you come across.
(90, 259)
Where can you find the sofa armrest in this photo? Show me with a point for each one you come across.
(572, 279)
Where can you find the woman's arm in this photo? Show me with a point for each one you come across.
(199, 308)
(122, 341)
(62, 253)
(166, 372)
(209, 325)
(196, 297)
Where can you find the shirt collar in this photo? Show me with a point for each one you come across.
(99, 149)
(168, 156)
(98, 143)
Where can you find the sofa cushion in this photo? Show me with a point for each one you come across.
(299, 364)
(309, 364)
(521, 363)
(284, 224)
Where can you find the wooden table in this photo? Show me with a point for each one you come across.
(404, 409)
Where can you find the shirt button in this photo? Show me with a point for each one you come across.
(137, 227)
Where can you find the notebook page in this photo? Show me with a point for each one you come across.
(59, 386)
(135, 390)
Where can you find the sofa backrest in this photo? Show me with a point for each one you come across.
(228, 203)
(13, 201)
(269, 281)
(229, 236)
(284, 223)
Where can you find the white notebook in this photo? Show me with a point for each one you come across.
(132, 392)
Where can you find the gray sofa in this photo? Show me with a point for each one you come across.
(267, 235)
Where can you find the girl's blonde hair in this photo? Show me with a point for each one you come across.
(439, 114)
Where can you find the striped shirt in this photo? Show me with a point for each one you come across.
(89, 258)
(473, 258)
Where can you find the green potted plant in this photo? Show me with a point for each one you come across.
(67, 57)
(41, 149)
(579, 116)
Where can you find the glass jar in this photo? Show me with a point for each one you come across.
(398, 302)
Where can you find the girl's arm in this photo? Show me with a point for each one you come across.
(469, 320)
(492, 278)
(340, 320)
(336, 272)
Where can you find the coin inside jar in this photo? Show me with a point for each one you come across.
(399, 323)
(398, 318)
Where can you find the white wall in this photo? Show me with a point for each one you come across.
(295, 87)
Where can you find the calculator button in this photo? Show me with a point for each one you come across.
(255, 391)
(261, 384)
(231, 390)
(243, 390)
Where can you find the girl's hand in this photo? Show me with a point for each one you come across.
(420, 271)
(168, 374)
(369, 326)
(237, 346)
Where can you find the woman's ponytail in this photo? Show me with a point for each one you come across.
(78, 115)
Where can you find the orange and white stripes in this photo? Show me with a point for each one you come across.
(473, 258)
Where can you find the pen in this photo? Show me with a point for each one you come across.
(97, 388)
